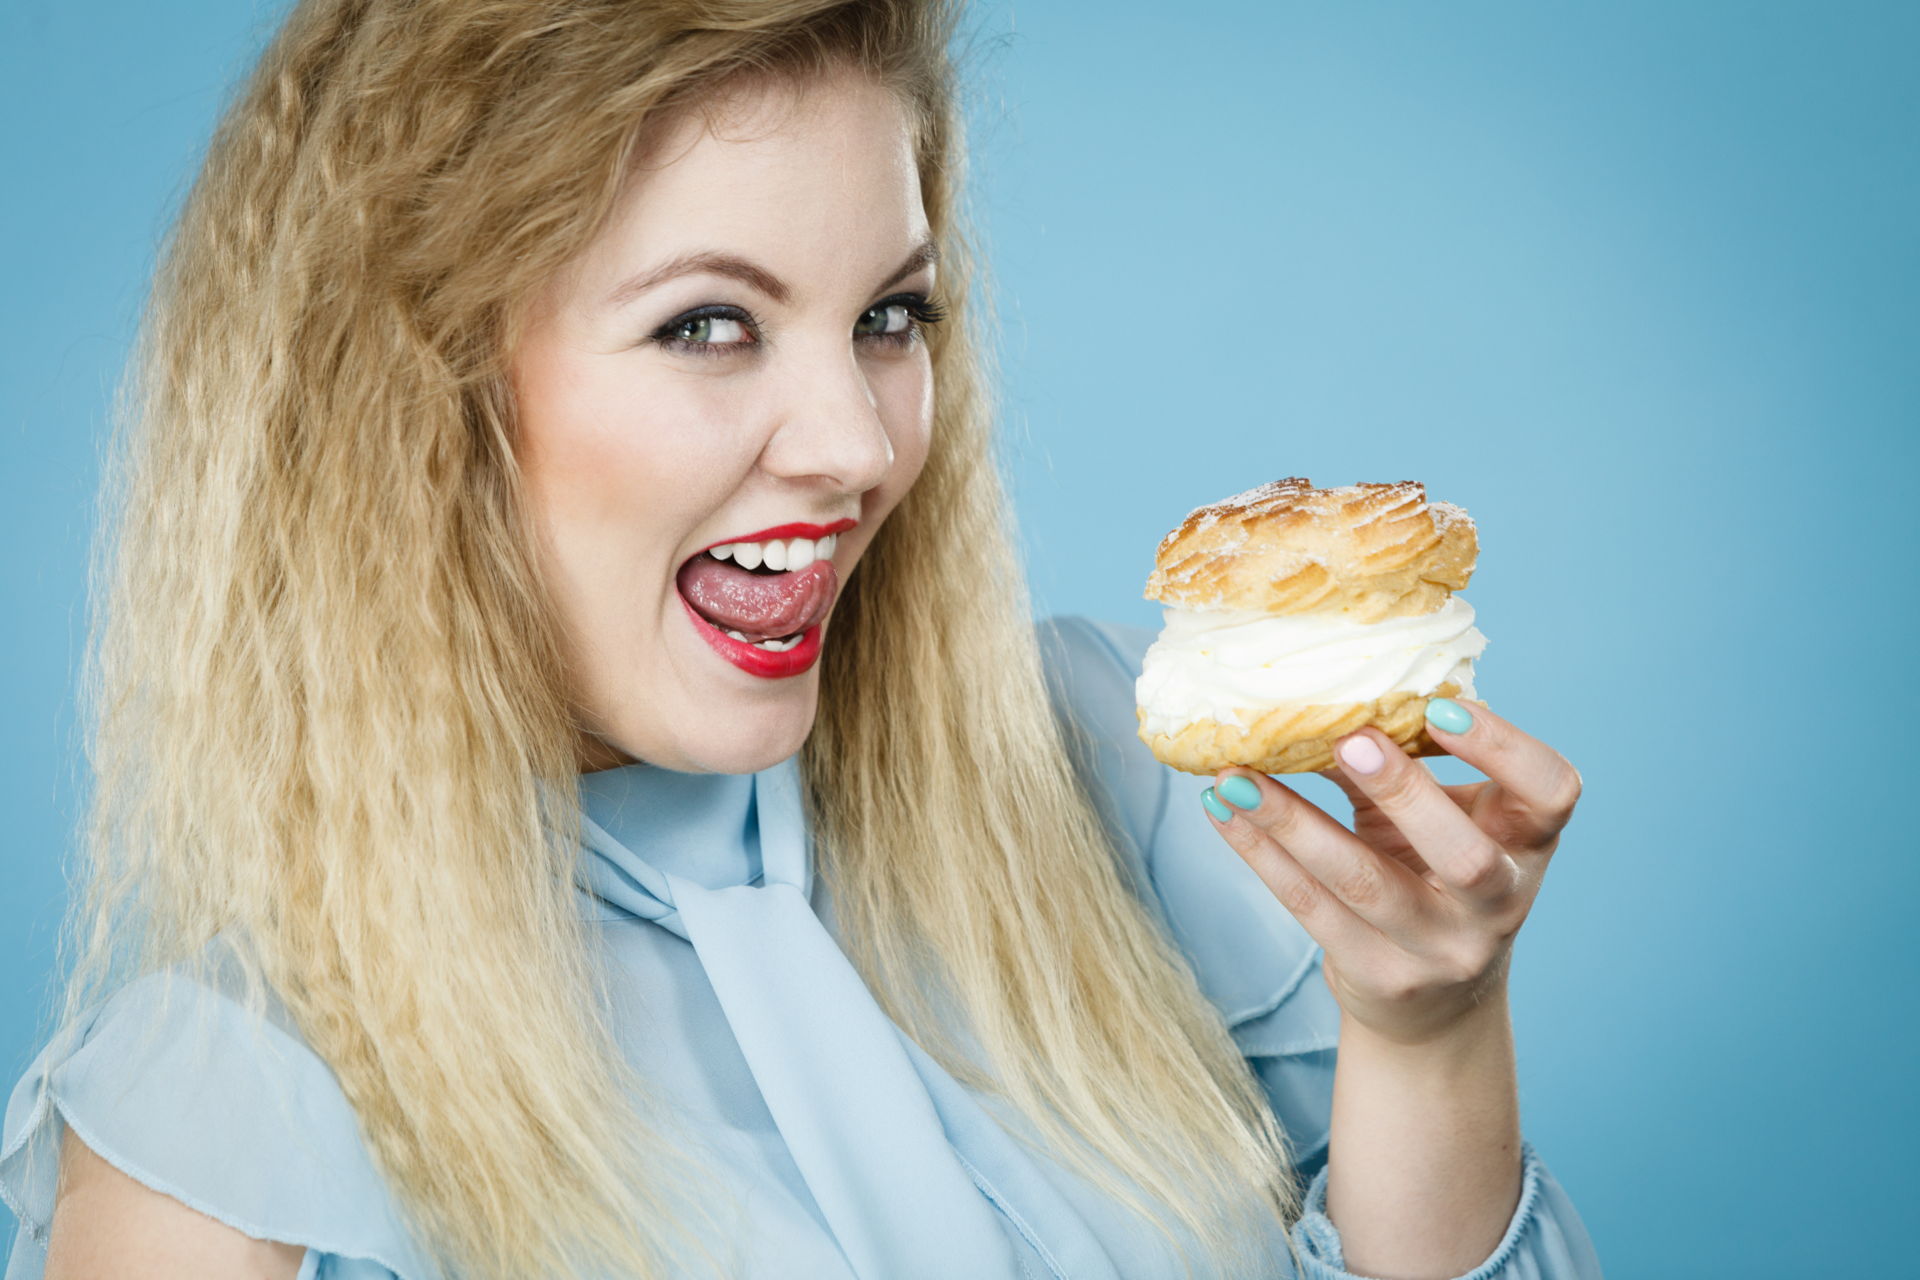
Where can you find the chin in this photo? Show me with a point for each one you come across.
(744, 742)
(750, 753)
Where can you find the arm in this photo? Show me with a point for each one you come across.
(1423, 1134)
(107, 1224)
(1424, 1160)
(1416, 909)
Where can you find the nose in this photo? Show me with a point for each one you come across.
(831, 426)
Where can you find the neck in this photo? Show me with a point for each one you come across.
(594, 753)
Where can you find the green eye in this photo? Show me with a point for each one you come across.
(729, 330)
(916, 312)
(887, 327)
(701, 330)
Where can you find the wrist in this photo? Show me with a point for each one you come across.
(1425, 1166)
(1485, 1019)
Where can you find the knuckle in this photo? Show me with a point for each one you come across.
(1566, 792)
(1398, 786)
(1236, 829)
(1278, 817)
(1468, 964)
(1487, 869)
(1360, 886)
(1526, 883)
(1493, 734)
(1516, 821)
(1298, 895)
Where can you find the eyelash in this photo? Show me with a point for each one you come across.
(921, 311)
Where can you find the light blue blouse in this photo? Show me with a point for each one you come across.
(851, 1153)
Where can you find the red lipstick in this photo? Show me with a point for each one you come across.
(787, 531)
(754, 661)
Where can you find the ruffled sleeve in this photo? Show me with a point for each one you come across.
(179, 1087)
(1252, 959)
(1544, 1240)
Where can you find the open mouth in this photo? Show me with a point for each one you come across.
(763, 594)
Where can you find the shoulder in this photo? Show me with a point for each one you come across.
(107, 1223)
(1252, 958)
(181, 1086)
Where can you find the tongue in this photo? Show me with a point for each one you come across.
(761, 606)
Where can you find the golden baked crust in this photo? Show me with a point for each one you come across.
(1298, 739)
(1363, 551)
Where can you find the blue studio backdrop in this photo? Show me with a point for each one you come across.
(1633, 283)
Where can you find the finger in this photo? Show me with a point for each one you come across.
(1331, 922)
(1262, 813)
(1539, 787)
(1462, 793)
(1469, 863)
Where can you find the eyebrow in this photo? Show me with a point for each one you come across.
(713, 262)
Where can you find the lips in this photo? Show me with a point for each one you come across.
(790, 531)
(767, 624)
(755, 661)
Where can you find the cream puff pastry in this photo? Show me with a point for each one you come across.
(1295, 615)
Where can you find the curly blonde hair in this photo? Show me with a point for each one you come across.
(326, 718)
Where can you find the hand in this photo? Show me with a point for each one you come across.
(1417, 907)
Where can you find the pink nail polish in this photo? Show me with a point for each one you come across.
(1362, 754)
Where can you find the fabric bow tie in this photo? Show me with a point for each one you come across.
(846, 1088)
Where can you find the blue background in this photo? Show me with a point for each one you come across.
(1635, 284)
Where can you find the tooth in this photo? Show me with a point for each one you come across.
(777, 646)
(746, 554)
(735, 634)
(722, 552)
(823, 549)
(799, 553)
(776, 555)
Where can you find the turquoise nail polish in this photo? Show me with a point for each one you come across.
(1241, 793)
(1214, 806)
(1449, 715)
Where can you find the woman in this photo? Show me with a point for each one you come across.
(578, 792)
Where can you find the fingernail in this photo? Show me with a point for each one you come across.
(1214, 806)
(1449, 715)
(1361, 754)
(1241, 793)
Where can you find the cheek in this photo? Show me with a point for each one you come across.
(615, 465)
(907, 409)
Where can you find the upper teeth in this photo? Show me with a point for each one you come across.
(782, 554)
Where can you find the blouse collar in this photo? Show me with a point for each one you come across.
(645, 827)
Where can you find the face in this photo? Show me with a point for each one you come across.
(720, 401)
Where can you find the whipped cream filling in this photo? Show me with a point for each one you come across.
(1213, 664)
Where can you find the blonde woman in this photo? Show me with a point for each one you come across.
(578, 791)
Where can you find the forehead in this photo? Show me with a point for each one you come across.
(777, 150)
(816, 180)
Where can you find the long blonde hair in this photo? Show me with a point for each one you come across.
(323, 688)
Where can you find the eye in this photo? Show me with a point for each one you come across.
(709, 331)
(899, 320)
(722, 330)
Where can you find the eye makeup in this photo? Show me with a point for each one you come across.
(921, 311)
